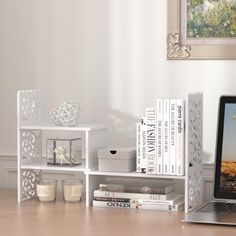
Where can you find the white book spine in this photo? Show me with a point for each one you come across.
(173, 201)
(144, 206)
(173, 128)
(134, 196)
(143, 144)
(138, 147)
(166, 126)
(151, 141)
(180, 137)
(159, 119)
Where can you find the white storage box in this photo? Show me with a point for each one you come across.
(117, 159)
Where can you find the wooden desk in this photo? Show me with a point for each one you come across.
(58, 218)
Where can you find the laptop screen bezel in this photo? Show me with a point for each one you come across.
(221, 117)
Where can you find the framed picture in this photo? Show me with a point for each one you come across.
(201, 29)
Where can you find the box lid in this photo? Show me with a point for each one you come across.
(117, 153)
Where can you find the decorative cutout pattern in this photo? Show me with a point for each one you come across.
(195, 109)
(175, 50)
(30, 144)
(29, 106)
(29, 183)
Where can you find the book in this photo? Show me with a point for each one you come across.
(159, 131)
(112, 199)
(143, 137)
(173, 128)
(154, 187)
(144, 206)
(166, 124)
(133, 196)
(138, 147)
(172, 199)
(180, 162)
(151, 141)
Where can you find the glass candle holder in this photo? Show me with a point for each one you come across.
(72, 190)
(46, 190)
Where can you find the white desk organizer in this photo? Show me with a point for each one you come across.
(29, 151)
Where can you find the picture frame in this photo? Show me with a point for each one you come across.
(182, 46)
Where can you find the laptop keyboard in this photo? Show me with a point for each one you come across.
(218, 207)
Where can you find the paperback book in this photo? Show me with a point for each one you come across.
(173, 128)
(166, 154)
(144, 206)
(138, 147)
(171, 199)
(159, 136)
(143, 137)
(159, 187)
(151, 141)
(180, 138)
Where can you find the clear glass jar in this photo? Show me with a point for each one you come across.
(47, 189)
(72, 190)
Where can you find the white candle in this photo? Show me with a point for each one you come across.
(46, 191)
(72, 191)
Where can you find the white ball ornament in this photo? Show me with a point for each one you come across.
(66, 114)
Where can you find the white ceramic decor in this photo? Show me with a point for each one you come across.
(66, 114)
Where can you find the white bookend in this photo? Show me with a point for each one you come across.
(143, 136)
(160, 142)
(173, 128)
(180, 137)
(166, 132)
(138, 147)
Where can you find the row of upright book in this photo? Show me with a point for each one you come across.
(146, 196)
(160, 139)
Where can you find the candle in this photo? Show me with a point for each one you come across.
(72, 190)
(46, 190)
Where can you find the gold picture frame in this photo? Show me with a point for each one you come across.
(180, 47)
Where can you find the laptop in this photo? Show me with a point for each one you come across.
(222, 209)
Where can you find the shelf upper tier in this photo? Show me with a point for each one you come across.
(81, 127)
(42, 165)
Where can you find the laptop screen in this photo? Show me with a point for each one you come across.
(225, 171)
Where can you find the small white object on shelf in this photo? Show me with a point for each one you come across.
(72, 190)
(66, 114)
(46, 190)
(64, 151)
(117, 159)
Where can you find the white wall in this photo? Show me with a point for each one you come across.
(110, 55)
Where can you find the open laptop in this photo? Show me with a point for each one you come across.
(222, 210)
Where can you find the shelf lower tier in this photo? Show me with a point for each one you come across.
(133, 174)
(42, 165)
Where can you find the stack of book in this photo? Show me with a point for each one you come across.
(160, 139)
(158, 197)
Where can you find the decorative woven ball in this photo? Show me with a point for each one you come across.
(66, 114)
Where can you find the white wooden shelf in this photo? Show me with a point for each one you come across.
(134, 175)
(81, 127)
(42, 165)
